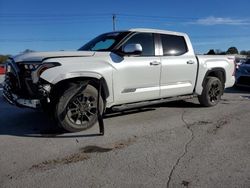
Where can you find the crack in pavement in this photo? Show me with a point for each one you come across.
(185, 149)
(218, 124)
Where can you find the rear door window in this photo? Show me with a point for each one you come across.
(173, 45)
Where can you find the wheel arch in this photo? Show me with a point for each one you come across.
(61, 85)
(215, 72)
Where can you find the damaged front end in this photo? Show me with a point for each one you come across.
(23, 86)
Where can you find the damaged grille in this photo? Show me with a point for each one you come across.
(18, 80)
(12, 82)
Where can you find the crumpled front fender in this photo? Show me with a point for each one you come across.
(70, 75)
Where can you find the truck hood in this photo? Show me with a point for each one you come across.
(40, 56)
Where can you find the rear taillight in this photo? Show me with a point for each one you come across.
(235, 66)
(232, 60)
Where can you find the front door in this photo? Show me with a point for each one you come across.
(137, 78)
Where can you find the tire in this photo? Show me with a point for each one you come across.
(211, 93)
(78, 112)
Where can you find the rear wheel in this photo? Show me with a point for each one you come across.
(211, 93)
(77, 112)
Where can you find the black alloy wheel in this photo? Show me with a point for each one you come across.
(211, 93)
(77, 112)
(82, 109)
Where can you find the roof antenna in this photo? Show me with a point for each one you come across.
(114, 20)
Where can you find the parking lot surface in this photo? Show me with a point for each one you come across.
(177, 144)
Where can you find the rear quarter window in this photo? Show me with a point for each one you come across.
(173, 45)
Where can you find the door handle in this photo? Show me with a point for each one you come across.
(154, 63)
(190, 62)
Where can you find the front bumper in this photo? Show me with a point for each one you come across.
(15, 100)
(14, 90)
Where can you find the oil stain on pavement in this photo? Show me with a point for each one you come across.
(81, 155)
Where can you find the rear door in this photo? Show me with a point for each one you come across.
(179, 66)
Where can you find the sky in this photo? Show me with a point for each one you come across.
(50, 25)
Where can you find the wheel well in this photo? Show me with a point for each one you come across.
(59, 87)
(218, 73)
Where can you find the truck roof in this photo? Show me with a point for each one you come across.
(147, 30)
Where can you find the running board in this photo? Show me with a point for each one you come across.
(149, 103)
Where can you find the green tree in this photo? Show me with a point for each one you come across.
(27, 51)
(220, 52)
(211, 52)
(232, 50)
(248, 53)
(3, 58)
(243, 52)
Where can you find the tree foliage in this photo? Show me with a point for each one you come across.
(3, 58)
(232, 50)
(244, 52)
(211, 52)
(27, 51)
(216, 52)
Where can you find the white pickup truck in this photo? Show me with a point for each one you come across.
(126, 69)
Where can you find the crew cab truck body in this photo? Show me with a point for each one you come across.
(128, 68)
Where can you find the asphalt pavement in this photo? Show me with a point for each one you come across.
(177, 144)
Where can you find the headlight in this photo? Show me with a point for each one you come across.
(30, 66)
(46, 66)
(43, 67)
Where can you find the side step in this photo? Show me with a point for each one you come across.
(149, 103)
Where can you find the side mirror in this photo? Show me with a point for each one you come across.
(132, 49)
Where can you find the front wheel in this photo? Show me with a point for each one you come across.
(77, 112)
(211, 93)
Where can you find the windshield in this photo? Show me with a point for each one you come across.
(104, 42)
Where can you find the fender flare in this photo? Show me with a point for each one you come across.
(216, 71)
(70, 75)
(81, 75)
